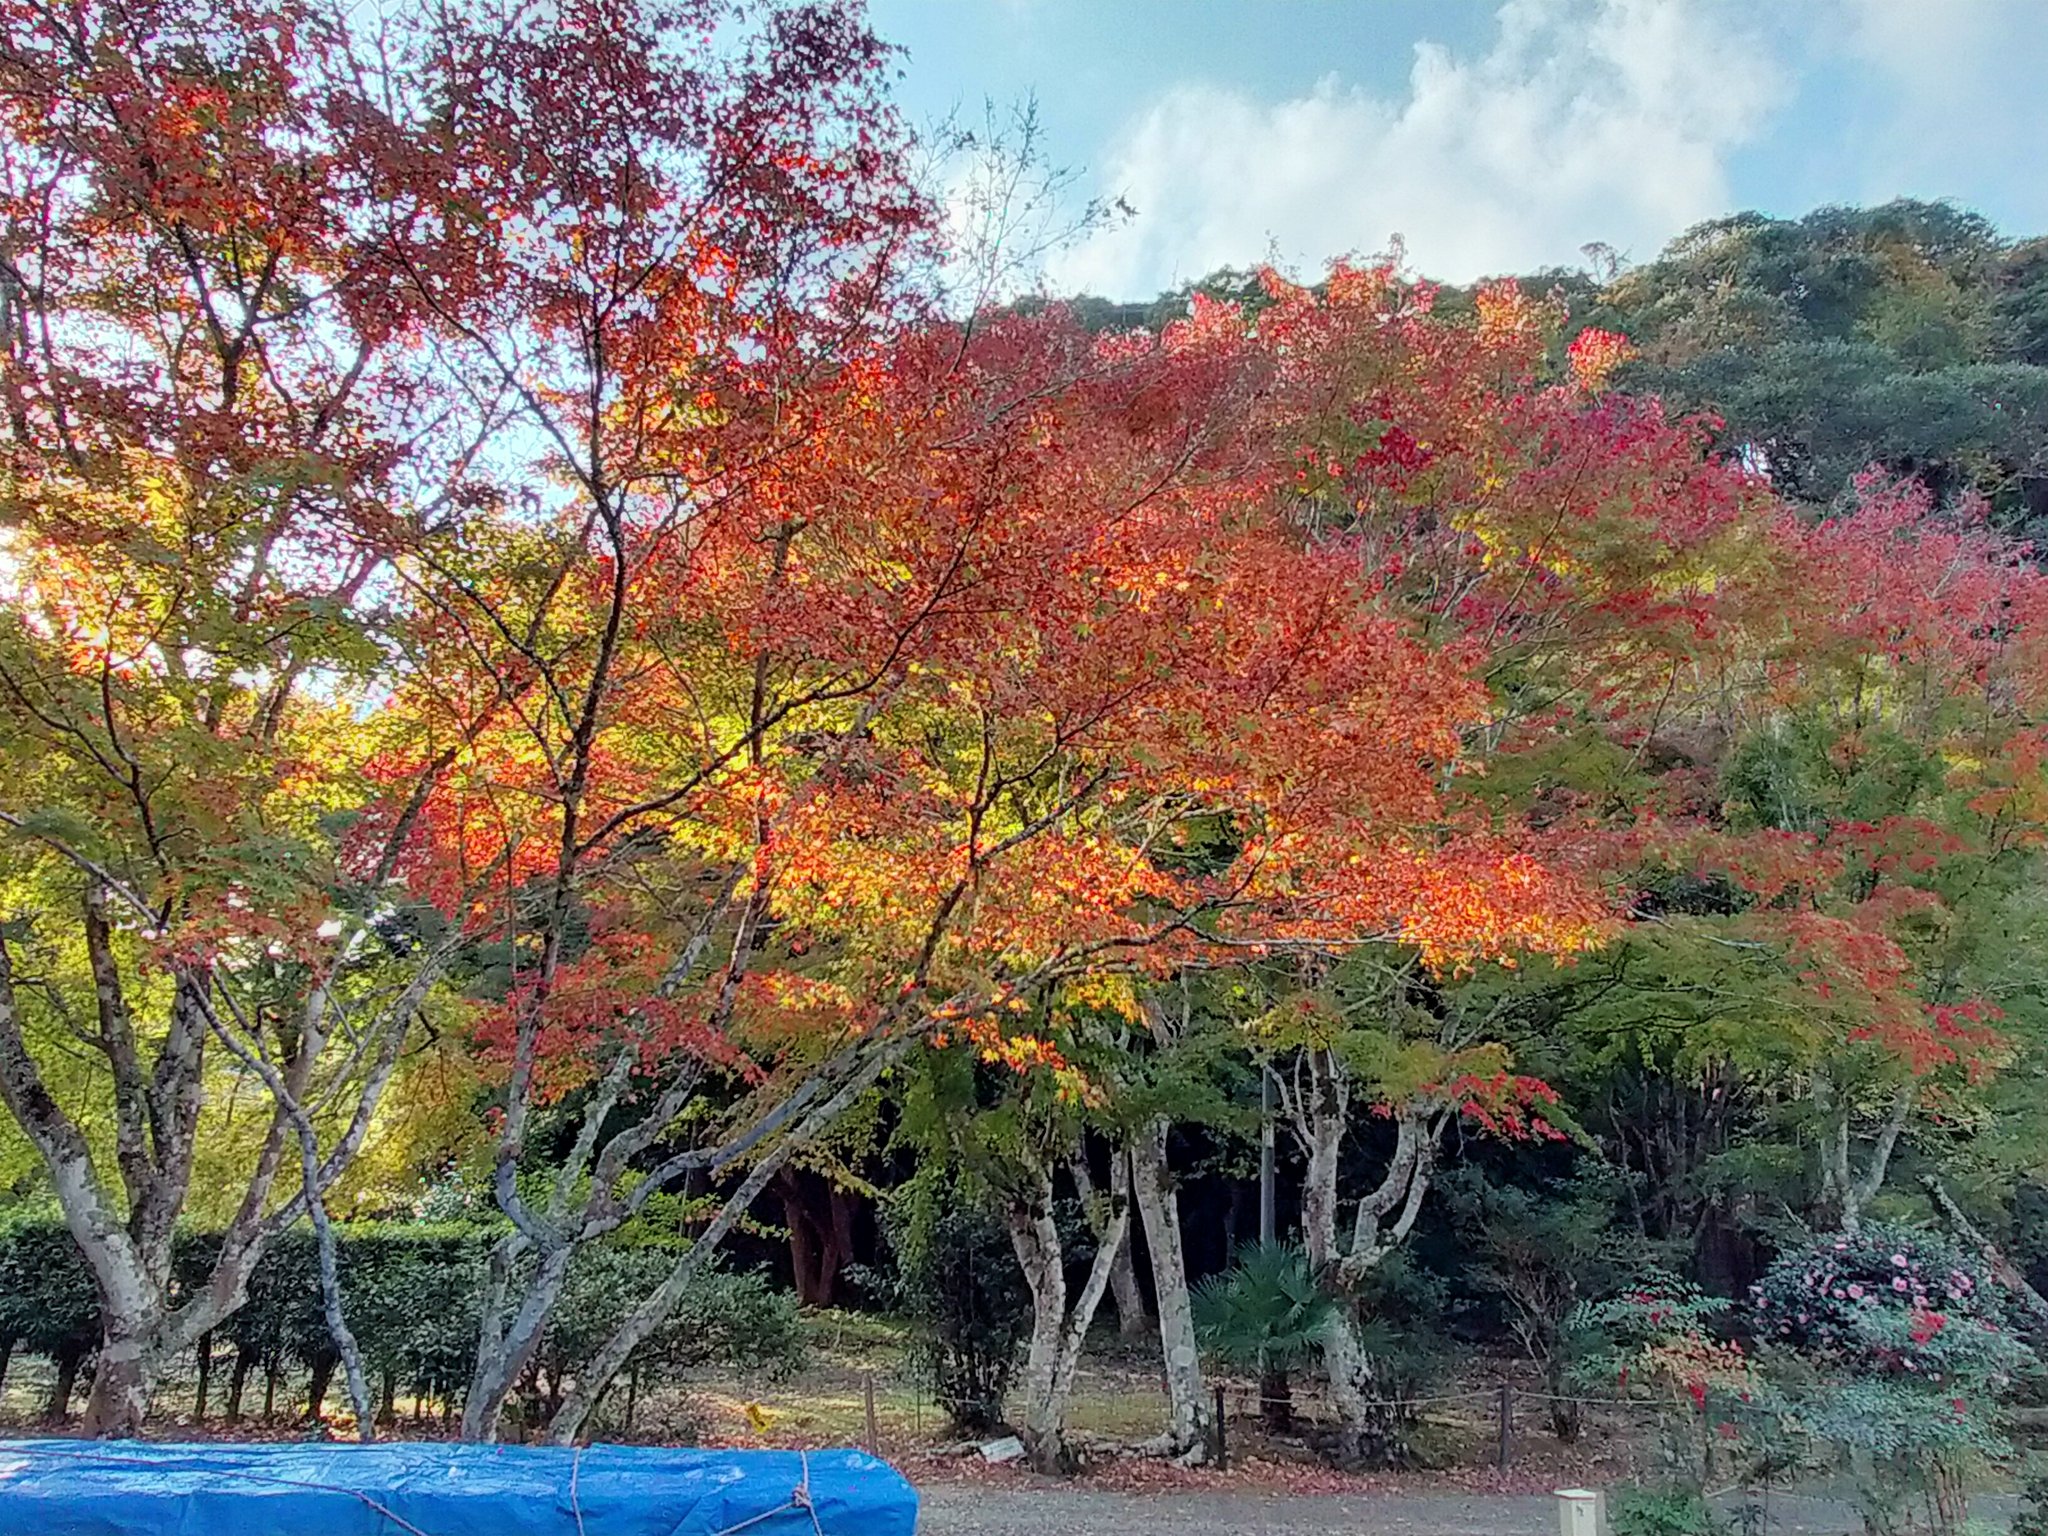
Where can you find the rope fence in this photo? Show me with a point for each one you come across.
(1494, 1416)
(889, 1410)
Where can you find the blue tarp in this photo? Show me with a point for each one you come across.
(134, 1488)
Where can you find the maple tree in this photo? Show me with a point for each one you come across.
(674, 249)
(1392, 450)
(1896, 773)
(1037, 622)
(204, 405)
(1543, 540)
(1854, 840)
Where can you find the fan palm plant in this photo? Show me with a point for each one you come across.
(1265, 1313)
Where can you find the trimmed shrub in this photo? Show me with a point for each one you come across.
(411, 1291)
(49, 1302)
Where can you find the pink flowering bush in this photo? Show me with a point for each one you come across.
(1888, 1300)
(1893, 1348)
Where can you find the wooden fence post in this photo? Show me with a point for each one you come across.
(1507, 1423)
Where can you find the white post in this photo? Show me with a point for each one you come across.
(1578, 1512)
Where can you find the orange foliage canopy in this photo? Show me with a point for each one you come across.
(1015, 665)
(1030, 655)
(1642, 613)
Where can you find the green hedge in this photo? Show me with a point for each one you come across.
(48, 1303)
(411, 1292)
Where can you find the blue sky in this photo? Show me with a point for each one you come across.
(1491, 135)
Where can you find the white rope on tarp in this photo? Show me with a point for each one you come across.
(799, 1498)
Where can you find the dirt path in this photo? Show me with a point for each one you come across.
(1053, 1510)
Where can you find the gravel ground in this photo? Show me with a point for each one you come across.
(1060, 1511)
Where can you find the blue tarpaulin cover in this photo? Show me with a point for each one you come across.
(132, 1488)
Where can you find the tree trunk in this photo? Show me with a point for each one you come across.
(838, 1245)
(1057, 1331)
(503, 1359)
(1036, 1241)
(59, 1407)
(797, 1219)
(1276, 1400)
(205, 1377)
(820, 1241)
(387, 1407)
(1566, 1413)
(1366, 1432)
(6, 1359)
(1845, 1193)
(2003, 1270)
(121, 1380)
(1317, 1104)
(1132, 1322)
(271, 1372)
(316, 1385)
(346, 1351)
(238, 1378)
(1189, 1417)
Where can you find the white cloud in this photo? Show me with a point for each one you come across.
(1957, 82)
(1584, 120)
(1934, 51)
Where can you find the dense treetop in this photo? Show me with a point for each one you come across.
(1912, 335)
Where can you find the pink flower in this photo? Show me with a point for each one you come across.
(1899, 1259)
(1899, 1284)
(1856, 1291)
